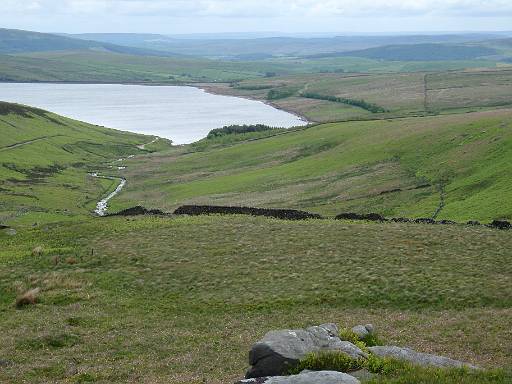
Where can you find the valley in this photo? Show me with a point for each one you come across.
(397, 128)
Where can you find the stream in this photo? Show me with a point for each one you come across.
(102, 206)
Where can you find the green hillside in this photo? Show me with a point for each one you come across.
(423, 52)
(97, 66)
(45, 160)
(402, 167)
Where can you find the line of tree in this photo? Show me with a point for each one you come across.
(237, 129)
(281, 93)
(255, 87)
(374, 108)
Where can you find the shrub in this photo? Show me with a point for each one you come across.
(373, 108)
(255, 87)
(369, 340)
(53, 341)
(28, 298)
(328, 361)
(385, 366)
(71, 261)
(237, 129)
(281, 93)
(37, 251)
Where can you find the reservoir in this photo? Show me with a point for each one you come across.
(182, 114)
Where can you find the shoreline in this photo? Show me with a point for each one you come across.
(210, 88)
(206, 87)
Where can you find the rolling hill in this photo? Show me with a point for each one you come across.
(13, 41)
(240, 48)
(101, 66)
(453, 167)
(420, 52)
(136, 58)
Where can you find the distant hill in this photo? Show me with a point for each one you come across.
(505, 43)
(14, 41)
(419, 52)
(270, 46)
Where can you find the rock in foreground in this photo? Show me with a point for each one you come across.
(279, 351)
(418, 358)
(322, 377)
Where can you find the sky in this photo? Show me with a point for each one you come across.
(285, 16)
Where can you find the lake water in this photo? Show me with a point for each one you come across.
(182, 114)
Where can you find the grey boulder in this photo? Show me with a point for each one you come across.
(280, 350)
(361, 331)
(320, 377)
(418, 358)
(5, 363)
(363, 374)
(10, 231)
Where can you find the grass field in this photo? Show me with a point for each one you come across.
(45, 160)
(180, 300)
(402, 94)
(100, 66)
(404, 167)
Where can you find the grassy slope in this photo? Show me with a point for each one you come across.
(350, 166)
(44, 160)
(180, 300)
(425, 52)
(401, 93)
(112, 67)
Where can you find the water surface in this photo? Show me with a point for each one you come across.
(182, 114)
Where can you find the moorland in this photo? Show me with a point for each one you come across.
(181, 299)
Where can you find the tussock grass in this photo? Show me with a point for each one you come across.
(182, 299)
(328, 361)
(28, 298)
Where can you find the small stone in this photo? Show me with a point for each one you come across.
(5, 363)
(360, 331)
(370, 328)
(363, 374)
(501, 224)
(72, 370)
(10, 231)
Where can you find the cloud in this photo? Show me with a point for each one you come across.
(263, 8)
(191, 16)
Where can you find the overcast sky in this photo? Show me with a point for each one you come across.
(200, 16)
